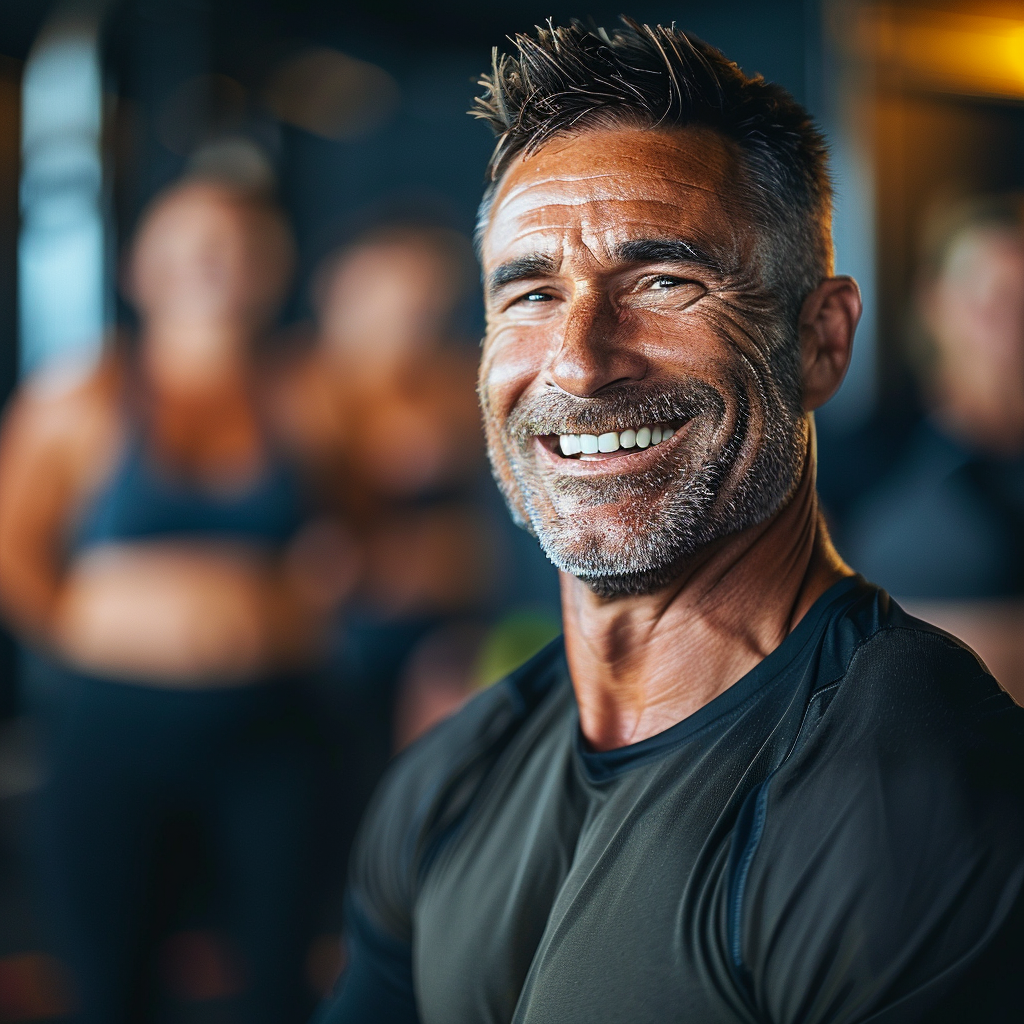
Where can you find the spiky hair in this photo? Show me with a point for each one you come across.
(569, 79)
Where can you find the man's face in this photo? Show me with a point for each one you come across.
(624, 300)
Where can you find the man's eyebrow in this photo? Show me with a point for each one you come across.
(669, 250)
(522, 267)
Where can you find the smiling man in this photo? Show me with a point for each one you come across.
(745, 787)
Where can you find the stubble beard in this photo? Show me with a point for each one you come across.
(631, 533)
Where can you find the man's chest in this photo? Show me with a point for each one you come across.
(560, 901)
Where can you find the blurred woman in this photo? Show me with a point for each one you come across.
(153, 555)
(385, 409)
(389, 394)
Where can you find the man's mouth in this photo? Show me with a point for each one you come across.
(610, 444)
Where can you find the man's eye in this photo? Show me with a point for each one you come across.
(535, 297)
(667, 281)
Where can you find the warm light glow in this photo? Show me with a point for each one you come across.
(964, 53)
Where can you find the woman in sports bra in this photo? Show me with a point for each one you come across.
(157, 560)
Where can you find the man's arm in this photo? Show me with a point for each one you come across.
(427, 788)
(377, 983)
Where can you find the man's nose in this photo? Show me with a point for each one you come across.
(596, 350)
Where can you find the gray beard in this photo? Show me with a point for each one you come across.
(667, 516)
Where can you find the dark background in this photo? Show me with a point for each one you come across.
(426, 153)
(903, 138)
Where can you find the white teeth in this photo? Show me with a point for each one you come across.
(612, 441)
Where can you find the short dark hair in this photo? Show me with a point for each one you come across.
(568, 79)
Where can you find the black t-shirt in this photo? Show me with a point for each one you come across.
(837, 837)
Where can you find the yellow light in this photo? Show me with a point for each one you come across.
(964, 53)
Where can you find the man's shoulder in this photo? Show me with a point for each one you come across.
(891, 840)
(903, 694)
(903, 676)
(429, 786)
(909, 765)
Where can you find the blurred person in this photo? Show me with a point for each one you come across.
(944, 530)
(384, 411)
(745, 785)
(438, 677)
(406, 383)
(156, 560)
(389, 393)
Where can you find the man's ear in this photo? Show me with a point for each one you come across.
(828, 319)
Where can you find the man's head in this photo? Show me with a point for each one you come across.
(657, 257)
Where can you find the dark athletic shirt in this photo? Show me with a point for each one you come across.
(837, 837)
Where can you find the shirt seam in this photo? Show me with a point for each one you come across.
(761, 806)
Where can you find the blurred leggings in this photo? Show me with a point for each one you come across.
(122, 760)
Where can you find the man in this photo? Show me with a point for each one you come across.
(746, 787)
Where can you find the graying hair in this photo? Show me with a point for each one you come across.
(569, 79)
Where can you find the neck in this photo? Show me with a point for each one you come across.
(197, 357)
(982, 406)
(640, 664)
(380, 362)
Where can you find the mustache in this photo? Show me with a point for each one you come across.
(622, 405)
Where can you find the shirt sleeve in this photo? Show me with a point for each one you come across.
(377, 985)
(882, 878)
(424, 792)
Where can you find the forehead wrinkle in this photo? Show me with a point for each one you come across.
(609, 207)
(560, 236)
(541, 217)
(709, 170)
(521, 202)
(564, 182)
(641, 163)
